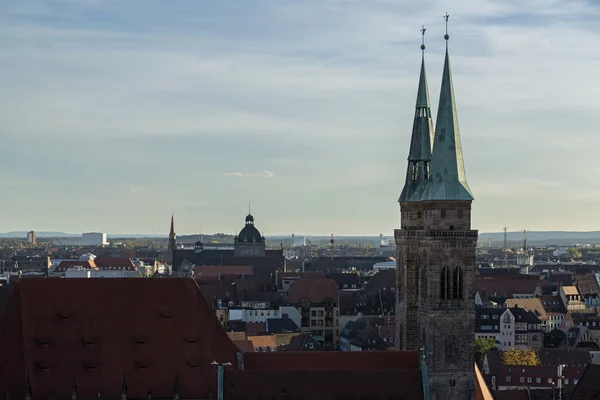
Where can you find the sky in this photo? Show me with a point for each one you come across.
(116, 114)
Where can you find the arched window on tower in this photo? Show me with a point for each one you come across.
(445, 284)
(457, 284)
(415, 171)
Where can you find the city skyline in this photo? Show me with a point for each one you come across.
(114, 119)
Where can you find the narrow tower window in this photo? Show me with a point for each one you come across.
(445, 284)
(457, 287)
(415, 172)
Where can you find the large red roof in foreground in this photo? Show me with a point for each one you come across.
(93, 331)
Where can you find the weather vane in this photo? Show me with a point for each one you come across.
(423, 37)
(446, 36)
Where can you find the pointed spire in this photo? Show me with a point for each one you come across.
(419, 157)
(172, 231)
(448, 178)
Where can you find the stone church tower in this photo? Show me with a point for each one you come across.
(436, 248)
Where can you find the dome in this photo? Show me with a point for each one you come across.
(249, 234)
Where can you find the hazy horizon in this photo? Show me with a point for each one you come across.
(114, 118)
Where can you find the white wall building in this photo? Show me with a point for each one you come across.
(93, 239)
(260, 314)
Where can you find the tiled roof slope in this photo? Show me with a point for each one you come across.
(315, 290)
(588, 387)
(327, 375)
(94, 331)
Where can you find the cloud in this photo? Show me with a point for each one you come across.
(263, 174)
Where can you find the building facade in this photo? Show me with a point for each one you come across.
(436, 248)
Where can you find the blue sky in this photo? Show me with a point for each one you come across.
(115, 114)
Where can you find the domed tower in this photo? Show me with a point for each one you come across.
(249, 242)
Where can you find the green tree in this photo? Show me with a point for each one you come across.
(482, 346)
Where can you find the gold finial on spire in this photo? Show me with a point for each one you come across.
(423, 38)
(446, 36)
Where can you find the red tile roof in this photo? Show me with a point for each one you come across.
(322, 384)
(95, 330)
(255, 328)
(115, 263)
(505, 286)
(315, 290)
(67, 264)
(333, 360)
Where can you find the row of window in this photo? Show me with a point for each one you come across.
(539, 380)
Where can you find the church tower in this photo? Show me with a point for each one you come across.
(436, 260)
(172, 242)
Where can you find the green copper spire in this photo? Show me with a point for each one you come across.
(448, 178)
(419, 156)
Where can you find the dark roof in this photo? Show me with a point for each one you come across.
(303, 343)
(588, 387)
(345, 280)
(281, 325)
(487, 271)
(522, 315)
(567, 356)
(525, 394)
(588, 285)
(203, 272)
(315, 290)
(97, 330)
(488, 317)
(385, 278)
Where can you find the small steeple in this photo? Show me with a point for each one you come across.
(172, 235)
(419, 156)
(448, 178)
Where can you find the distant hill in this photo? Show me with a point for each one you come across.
(23, 234)
(547, 237)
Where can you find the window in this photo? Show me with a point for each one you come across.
(445, 284)
(522, 379)
(443, 213)
(508, 378)
(529, 380)
(457, 287)
(538, 380)
(550, 380)
(566, 381)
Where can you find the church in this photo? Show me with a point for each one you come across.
(435, 247)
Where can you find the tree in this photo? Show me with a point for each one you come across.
(574, 253)
(555, 338)
(520, 357)
(482, 346)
